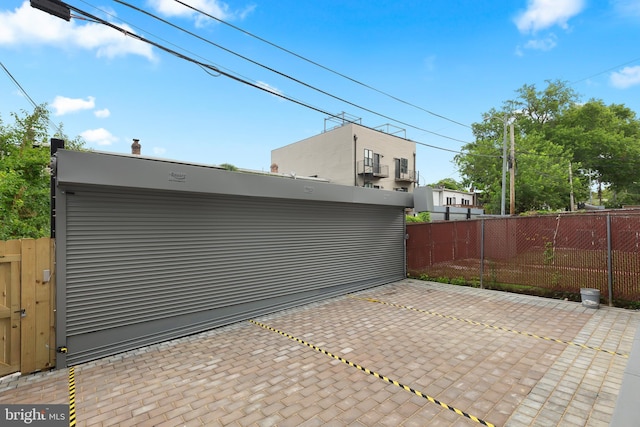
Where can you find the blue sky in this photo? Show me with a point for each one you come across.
(455, 59)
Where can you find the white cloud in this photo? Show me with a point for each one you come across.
(63, 105)
(544, 44)
(158, 151)
(99, 136)
(541, 14)
(102, 114)
(247, 11)
(627, 77)
(212, 7)
(29, 26)
(110, 43)
(215, 8)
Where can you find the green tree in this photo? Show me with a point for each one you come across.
(552, 131)
(542, 175)
(229, 167)
(481, 165)
(24, 174)
(605, 140)
(449, 183)
(536, 108)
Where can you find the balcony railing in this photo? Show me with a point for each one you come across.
(378, 171)
(408, 176)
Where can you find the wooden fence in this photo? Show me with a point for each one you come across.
(27, 304)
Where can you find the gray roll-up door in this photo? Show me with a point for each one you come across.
(147, 266)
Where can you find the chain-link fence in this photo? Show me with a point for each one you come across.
(560, 254)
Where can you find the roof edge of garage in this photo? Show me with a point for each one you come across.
(114, 170)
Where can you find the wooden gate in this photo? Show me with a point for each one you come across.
(27, 296)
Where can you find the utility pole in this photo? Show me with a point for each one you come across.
(512, 187)
(571, 187)
(504, 166)
(505, 122)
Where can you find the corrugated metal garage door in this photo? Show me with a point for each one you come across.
(146, 266)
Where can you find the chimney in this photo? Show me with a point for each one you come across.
(274, 168)
(135, 147)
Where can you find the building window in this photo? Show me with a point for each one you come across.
(451, 201)
(376, 163)
(402, 189)
(368, 185)
(466, 202)
(404, 166)
(368, 157)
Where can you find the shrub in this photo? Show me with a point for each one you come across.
(421, 217)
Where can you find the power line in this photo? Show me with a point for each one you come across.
(26, 95)
(319, 65)
(284, 74)
(324, 92)
(379, 91)
(206, 67)
(607, 70)
(24, 92)
(211, 68)
(255, 85)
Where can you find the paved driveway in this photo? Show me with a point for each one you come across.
(410, 353)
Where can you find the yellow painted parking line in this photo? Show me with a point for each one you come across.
(375, 374)
(72, 397)
(487, 325)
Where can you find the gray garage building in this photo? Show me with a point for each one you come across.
(149, 250)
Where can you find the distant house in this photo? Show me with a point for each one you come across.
(446, 205)
(352, 154)
(454, 198)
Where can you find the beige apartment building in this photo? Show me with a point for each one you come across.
(352, 154)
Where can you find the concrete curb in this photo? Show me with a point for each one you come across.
(627, 410)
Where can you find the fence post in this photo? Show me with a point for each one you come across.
(481, 252)
(609, 261)
(56, 144)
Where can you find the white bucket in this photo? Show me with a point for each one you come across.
(590, 297)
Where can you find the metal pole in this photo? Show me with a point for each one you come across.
(481, 253)
(512, 187)
(504, 168)
(609, 262)
(55, 145)
(571, 202)
(355, 159)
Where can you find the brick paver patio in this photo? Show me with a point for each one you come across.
(464, 347)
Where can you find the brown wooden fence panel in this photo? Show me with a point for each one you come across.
(26, 308)
(45, 321)
(28, 304)
(10, 306)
